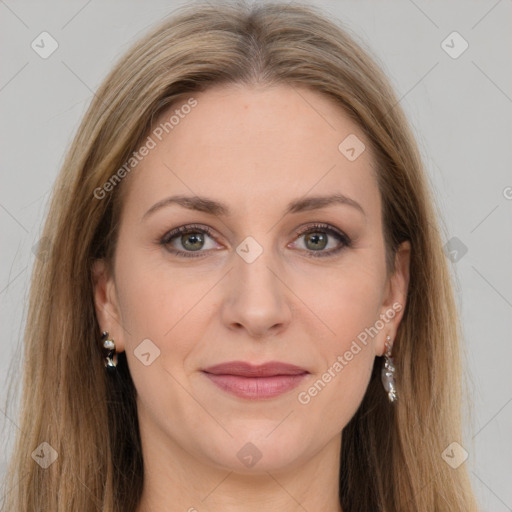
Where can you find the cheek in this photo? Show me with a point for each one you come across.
(337, 389)
(349, 301)
(162, 307)
(332, 399)
(153, 300)
(349, 304)
(169, 308)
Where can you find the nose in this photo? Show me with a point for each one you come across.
(256, 298)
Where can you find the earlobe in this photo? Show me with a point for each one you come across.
(105, 302)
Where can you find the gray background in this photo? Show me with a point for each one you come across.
(460, 110)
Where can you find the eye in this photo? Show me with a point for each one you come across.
(318, 237)
(192, 241)
(187, 240)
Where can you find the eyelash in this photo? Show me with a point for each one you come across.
(195, 228)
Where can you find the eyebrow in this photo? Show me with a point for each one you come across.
(207, 205)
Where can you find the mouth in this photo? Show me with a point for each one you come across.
(255, 382)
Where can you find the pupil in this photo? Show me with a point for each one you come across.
(193, 241)
(316, 238)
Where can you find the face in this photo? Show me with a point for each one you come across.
(274, 253)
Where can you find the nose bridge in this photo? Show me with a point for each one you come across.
(256, 298)
(254, 268)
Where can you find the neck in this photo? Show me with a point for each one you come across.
(176, 480)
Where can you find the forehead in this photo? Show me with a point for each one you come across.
(257, 146)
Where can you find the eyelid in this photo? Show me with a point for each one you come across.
(319, 226)
(187, 228)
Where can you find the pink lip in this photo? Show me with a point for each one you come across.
(255, 382)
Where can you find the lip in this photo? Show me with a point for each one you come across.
(255, 382)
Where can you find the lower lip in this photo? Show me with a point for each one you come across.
(256, 388)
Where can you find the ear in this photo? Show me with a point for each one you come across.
(395, 297)
(106, 303)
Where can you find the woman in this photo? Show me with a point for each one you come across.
(245, 304)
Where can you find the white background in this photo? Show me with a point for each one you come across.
(460, 110)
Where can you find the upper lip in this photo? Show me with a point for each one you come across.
(245, 369)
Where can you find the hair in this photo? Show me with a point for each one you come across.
(391, 452)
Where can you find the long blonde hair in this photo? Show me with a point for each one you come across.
(391, 453)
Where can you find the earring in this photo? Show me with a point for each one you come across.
(109, 350)
(388, 372)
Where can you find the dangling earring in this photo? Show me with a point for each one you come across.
(109, 349)
(388, 373)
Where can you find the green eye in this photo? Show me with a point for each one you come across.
(188, 241)
(192, 241)
(316, 241)
(319, 240)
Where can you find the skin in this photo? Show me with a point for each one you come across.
(255, 149)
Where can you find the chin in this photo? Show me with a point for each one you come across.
(256, 450)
